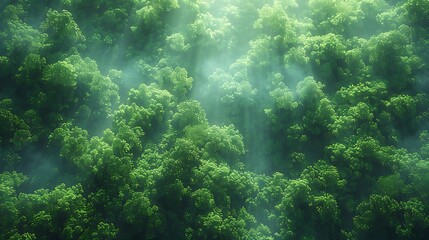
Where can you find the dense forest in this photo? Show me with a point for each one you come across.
(214, 119)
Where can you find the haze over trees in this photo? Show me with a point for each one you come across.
(214, 119)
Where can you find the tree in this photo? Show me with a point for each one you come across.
(377, 218)
(14, 134)
(211, 33)
(62, 30)
(60, 81)
(177, 43)
(189, 113)
(203, 200)
(274, 21)
(60, 213)
(305, 215)
(176, 81)
(214, 225)
(96, 94)
(324, 178)
(152, 13)
(8, 197)
(72, 143)
(30, 72)
(139, 211)
(358, 120)
(309, 92)
(224, 144)
(227, 119)
(360, 162)
(105, 231)
(392, 58)
(403, 110)
(417, 12)
(108, 171)
(284, 107)
(153, 98)
(20, 39)
(370, 92)
(416, 223)
(327, 58)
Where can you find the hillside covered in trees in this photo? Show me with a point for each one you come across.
(214, 119)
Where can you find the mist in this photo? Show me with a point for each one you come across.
(214, 119)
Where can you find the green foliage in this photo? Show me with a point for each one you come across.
(203, 200)
(212, 32)
(21, 39)
(60, 213)
(15, 133)
(8, 198)
(309, 91)
(176, 42)
(327, 57)
(31, 70)
(72, 141)
(151, 11)
(304, 215)
(274, 21)
(176, 81)
(392, 58)
(323, 177)
(403, 110)
(417, 12)
(284, 105)
(221, 143)
(181, 119)
(62, 30)
(105, 231)
(60, 80)
(368, 92)
(61, 74)
(377, 217)
(97, 94)
(140, 211)
(189, 113)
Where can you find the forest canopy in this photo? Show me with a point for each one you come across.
(214, 119)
